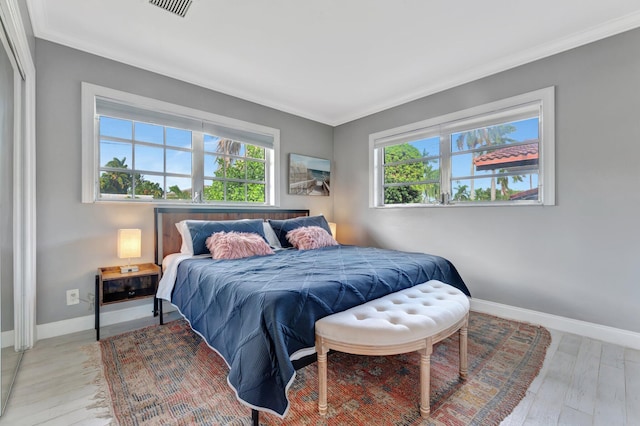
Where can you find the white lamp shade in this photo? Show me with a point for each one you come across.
(334, 228)
(129, 243)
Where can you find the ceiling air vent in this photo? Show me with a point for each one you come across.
(179, 7)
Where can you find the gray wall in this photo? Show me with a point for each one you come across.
(74, 239)
(578, 259)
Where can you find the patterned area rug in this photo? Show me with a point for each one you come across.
(166, 375)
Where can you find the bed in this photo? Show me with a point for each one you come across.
(259, 312)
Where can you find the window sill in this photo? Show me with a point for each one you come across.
(458, 205)
(161, 203)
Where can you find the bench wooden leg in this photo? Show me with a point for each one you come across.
(425, 379)
(463, 349)
(322, 377)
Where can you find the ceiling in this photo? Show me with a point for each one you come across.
(332, 61)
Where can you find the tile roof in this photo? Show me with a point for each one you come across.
(509, 156)
(529, 194)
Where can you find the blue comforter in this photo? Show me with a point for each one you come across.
(257, 312)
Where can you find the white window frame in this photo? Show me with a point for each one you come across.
(91, 94)
(479, 116)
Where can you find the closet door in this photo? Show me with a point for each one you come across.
(10, 94)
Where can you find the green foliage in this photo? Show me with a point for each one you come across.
(430, 192)
(462, 193)
(122, 183)
(504, 184)
(255, 192)
(214, 192)
(145, 187)
(401, 195)
(418, 171)
(243, 169)
(116, 182)
(483, 194)
(177, 194)
(411, 172)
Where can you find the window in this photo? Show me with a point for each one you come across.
(500, 153)
(139, 149)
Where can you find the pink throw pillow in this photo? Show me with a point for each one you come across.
(310, 237)
(236, 245)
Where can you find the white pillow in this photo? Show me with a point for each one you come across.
(187, 244)
(272, 238)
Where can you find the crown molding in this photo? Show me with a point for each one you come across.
(167, 70)
(595, 33)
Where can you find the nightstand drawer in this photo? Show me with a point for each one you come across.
(113, 286)
(128, 288)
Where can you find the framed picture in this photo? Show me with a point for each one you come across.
(309, 175)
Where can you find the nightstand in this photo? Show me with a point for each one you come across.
(112, 286)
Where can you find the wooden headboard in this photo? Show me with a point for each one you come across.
(168, 240)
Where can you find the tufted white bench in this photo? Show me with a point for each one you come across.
(413, 319)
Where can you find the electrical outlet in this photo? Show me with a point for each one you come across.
(73, 297)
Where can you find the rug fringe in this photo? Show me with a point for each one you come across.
(102, 398)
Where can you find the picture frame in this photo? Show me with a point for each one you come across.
(309, 175)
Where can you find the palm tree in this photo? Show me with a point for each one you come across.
(504, 184)
(115, 182)
(461, 193)
(178, 193)
(486, 136)
(228, 147)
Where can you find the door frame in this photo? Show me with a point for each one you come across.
(24, 178)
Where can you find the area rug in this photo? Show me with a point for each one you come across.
(166, 375)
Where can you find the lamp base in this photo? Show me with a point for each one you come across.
(129, 268)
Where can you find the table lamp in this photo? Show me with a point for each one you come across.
(334, 229)
(129, 242)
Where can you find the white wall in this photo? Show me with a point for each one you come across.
(74, 239)
(579, 259)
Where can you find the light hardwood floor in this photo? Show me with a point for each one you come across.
(582, 382)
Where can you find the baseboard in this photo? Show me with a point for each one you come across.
(6, 338)
(612, 335)
(73, 325)
(604, 333)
